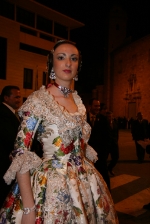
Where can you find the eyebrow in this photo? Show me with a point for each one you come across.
(65, 54)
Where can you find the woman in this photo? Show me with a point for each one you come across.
(63, 186)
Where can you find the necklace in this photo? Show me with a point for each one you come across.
(65, 91)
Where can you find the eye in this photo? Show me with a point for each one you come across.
(60, 58)
(74, 59)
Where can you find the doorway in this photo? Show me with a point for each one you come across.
(132, 110)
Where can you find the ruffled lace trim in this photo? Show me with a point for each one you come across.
(43, 98)
(22, 164)
(91, 154)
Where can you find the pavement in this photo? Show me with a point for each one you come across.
(130, 187)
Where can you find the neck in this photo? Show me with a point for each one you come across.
(66, 84)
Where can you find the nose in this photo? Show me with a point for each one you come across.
(68, 62)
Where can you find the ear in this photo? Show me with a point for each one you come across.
(6, 98)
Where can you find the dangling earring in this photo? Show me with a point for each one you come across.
(52, 74)
(76, 77)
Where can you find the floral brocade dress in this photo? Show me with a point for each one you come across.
(67, 189)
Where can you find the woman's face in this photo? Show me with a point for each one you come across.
(65, 62)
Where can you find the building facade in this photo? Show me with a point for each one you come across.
(127, 73)
(28, 31)
(117, 23)
(130, 79)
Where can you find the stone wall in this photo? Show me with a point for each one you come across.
(130, 79)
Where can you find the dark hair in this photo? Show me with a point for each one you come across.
(6, 91)
(91, 101)
(50, 55)
(139, 113)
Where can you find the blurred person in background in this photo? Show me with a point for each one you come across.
(9, 123)
(94, 107)
(114, 148)
(139, 130)
(100, 141)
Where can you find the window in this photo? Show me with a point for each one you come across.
(46, 37)
(44, 24)
(25, 17)
(60, 31)
(3, 57)
(33, 49)
(7, 9)
(28, 78)
(28, 31)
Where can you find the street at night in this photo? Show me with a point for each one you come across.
(131, 183)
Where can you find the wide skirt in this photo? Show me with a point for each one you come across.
(75, 195)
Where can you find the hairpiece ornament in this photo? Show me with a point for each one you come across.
(65, 91)
(59, 41)
(52, 74)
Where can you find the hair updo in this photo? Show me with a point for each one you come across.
(50, 55)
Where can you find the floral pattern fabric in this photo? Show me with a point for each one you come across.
(67, 189)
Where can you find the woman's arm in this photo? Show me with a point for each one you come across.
(24, 139)
(24, 183)
(22, 162)
(28, 129)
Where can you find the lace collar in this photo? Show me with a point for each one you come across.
(77, 99)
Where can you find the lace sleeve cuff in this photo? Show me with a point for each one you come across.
(22, 164)
(91, 154)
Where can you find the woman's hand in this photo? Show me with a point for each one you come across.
(29, 218)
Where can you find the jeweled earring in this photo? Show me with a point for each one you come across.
(52, 74)
(76, 77)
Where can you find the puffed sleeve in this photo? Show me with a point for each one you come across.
(22, 159)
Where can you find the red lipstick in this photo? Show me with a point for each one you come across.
(67, 71)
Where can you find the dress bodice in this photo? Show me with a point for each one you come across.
(43, 106)
(47, 141)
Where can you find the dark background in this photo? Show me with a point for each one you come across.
(92, 38)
